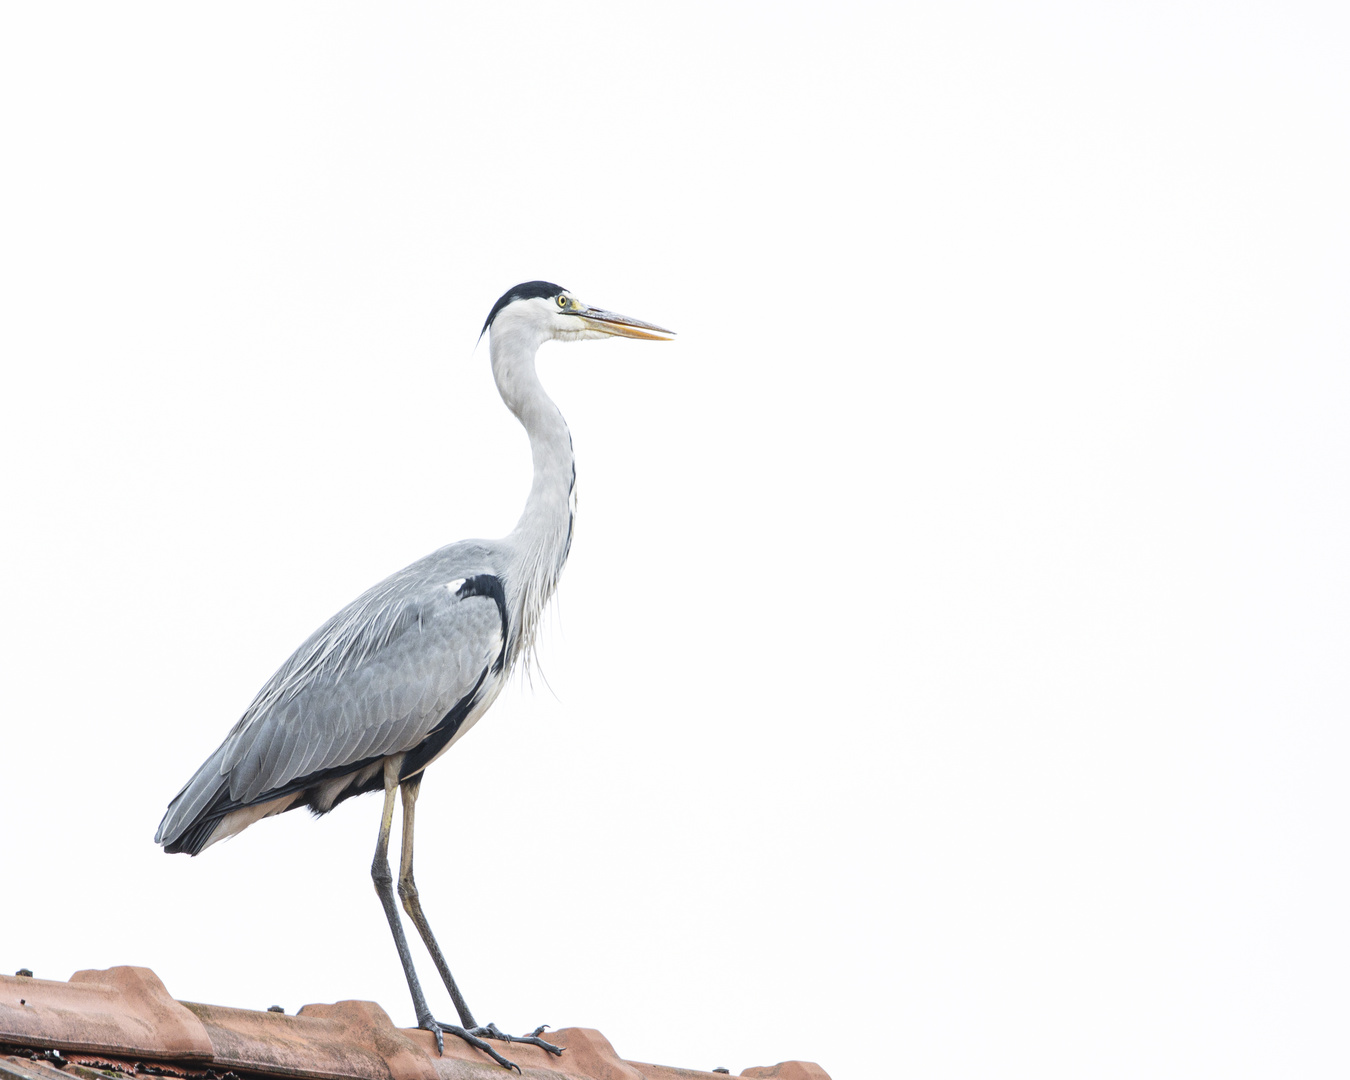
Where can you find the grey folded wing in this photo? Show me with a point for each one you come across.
(375, 680)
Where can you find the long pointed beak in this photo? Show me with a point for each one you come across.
(608, 322)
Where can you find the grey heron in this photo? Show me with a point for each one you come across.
(398, 676)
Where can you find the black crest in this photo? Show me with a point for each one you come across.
(525, 291)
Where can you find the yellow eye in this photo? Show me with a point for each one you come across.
(562, 301)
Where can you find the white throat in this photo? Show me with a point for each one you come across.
(543, 536)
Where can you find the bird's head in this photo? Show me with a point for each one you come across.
(543, 311)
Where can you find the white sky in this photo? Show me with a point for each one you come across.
(951, 670)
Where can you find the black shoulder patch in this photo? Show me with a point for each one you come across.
(526, 290)
(490, 585)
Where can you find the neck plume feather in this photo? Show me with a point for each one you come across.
(542, 537)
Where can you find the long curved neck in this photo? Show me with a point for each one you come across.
(543, 535)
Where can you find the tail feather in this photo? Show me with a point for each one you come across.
(194, 812)
(197, 834)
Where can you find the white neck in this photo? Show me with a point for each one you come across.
(543, 535)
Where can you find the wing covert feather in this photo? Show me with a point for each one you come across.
(372, 681)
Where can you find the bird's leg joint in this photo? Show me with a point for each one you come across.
(407, 892)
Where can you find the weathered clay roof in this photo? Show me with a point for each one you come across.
(119, 1023)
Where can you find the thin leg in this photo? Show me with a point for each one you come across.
(384, 880)
(384, 887)
(412, 904)
(407, 892)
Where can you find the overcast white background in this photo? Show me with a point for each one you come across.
(950, 676)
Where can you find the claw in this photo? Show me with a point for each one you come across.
(491, 1031)
(430, 1025)
(534, 1040)
(470, 1037)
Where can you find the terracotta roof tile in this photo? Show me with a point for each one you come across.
(123, 1021)
(124, 1011)
(352, 1040)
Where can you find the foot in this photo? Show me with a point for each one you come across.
(470, 1037)
(491, 1031)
